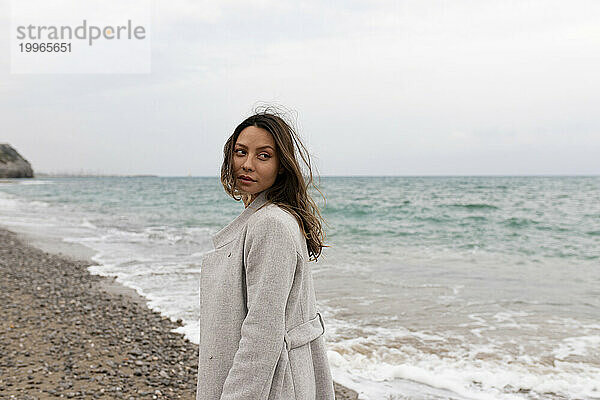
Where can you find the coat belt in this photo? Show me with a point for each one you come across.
(305, 332)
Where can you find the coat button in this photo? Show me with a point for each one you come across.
(210, 357)
(229, 255)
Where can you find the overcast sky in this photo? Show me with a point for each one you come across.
(380, 88)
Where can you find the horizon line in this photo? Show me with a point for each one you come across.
(42, 174)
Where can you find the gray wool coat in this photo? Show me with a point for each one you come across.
(261, 335)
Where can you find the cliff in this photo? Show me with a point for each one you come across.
(12, 165)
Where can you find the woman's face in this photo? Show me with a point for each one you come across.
(254, 156)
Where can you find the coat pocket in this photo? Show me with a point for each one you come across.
(298, 342)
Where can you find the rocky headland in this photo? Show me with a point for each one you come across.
(12, 164)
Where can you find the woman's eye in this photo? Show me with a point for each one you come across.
(264, 155)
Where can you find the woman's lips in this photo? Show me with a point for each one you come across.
(244, 180)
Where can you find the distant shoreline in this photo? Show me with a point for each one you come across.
(43, 175)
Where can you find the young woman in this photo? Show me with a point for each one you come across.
(261, 335)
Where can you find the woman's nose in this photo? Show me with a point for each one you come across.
(247, 164)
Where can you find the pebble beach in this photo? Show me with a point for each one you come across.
(65, 333)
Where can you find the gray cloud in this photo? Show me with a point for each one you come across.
(381, 88)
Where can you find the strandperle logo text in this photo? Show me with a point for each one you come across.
(82, 32)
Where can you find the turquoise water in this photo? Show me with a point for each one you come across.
(433, 287)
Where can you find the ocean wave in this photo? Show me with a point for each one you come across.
(516, 222)
(472, 206)
(493, 370)
(35, 182)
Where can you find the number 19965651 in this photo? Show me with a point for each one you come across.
(45, 47)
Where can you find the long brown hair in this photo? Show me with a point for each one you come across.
(290, 189)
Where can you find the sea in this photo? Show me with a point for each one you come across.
(432, 287)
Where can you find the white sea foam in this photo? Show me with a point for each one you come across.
(34, 182)
(87, 224)
(463, 375)
(7, 203)
(577, 346)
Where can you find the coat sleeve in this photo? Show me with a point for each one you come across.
(270, 257)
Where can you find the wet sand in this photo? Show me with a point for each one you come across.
(67, 333)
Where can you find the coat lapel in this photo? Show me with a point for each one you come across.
(228, 233)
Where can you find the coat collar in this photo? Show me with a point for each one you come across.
(229, 232)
